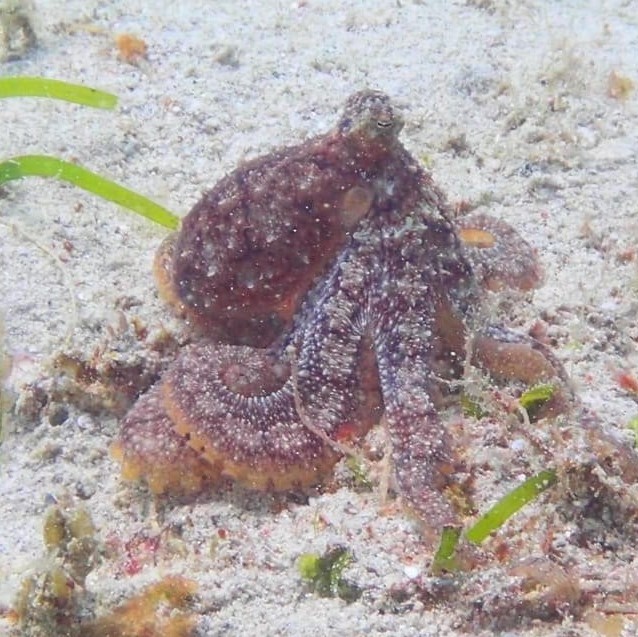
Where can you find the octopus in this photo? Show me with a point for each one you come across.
(331, 288)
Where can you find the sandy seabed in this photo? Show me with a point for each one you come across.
(522, 108)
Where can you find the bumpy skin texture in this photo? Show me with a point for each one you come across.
(254, 244)
(340, 257)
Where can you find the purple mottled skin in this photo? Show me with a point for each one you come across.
(371, 319)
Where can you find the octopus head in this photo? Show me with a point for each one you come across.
(369, 118)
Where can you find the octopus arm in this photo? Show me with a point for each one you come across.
(421, 450)
(271, 419)
(509, 356)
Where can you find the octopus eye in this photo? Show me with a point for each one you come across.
(384, 123)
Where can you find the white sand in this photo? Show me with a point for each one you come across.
(524, 83)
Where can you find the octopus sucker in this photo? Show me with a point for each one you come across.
(332, 289)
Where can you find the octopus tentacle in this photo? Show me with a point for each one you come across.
(421, 450)
(222, 411)
(499, 256)
(407, 308)
(237, 407)
(509, 356)
(149, 448)
(247, 424)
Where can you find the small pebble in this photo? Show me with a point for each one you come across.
(412, 571)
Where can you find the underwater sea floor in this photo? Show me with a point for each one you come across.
(525, 110)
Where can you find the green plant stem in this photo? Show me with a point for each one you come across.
(57, 89)
(445, 557)
(45, 166)
(509, 504)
